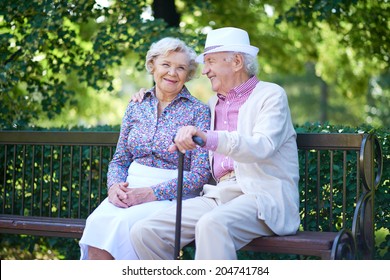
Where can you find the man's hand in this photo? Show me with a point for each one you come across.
(183, 140)
(137, 97)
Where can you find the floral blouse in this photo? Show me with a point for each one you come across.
(145, 138)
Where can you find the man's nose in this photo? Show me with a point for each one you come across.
(205, 70)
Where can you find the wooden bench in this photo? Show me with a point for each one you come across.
(51, 181)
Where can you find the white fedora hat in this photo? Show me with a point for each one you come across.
(227, 39)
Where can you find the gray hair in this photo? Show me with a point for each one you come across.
(168, 45)
(251, 64)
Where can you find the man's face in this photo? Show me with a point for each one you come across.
(218, 67)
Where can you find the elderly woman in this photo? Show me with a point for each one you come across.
(142, 176)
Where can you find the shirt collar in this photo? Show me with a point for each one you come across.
(241, 90)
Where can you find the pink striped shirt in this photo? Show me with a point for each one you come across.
(226, 116)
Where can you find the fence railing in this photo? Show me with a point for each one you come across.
(54, 174)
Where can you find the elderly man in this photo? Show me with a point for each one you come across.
(253, 155)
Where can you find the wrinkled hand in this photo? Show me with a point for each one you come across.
(124, 197)
(183, 139)
(137, 97)
(117, 194)
(137, 196)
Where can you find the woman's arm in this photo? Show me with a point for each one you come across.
(119, 165)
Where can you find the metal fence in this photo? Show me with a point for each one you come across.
(54, 174)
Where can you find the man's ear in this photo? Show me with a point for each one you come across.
(238, 62)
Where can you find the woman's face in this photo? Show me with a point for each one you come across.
(170, 72)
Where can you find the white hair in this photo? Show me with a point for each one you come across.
(251, 64)
(168, 45)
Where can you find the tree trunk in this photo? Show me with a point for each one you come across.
(166, 10)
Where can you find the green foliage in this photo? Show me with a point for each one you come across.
(44, 43)
(363, 24)
(351, 38)
(55, 55)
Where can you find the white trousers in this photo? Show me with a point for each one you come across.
(221, 221)
(108, 227)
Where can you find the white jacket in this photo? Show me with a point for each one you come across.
(265, 153)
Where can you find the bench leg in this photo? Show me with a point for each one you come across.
(344, 246)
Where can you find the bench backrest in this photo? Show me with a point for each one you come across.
(63, 174)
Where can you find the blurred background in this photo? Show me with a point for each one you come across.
(77, 63)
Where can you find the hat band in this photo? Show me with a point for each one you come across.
(211, 48)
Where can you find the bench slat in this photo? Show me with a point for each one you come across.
(304, 242)
(42, 226)
(316, 240)
(330, 141)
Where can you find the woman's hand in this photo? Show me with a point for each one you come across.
(124, 197)
(137, 97)
(117, 194)
(137, 196)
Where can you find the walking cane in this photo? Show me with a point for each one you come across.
(199, 141)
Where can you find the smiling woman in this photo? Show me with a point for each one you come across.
(142, 175)
(169, 73)
(171, 66)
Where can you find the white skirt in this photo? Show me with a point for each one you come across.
(108, 227)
